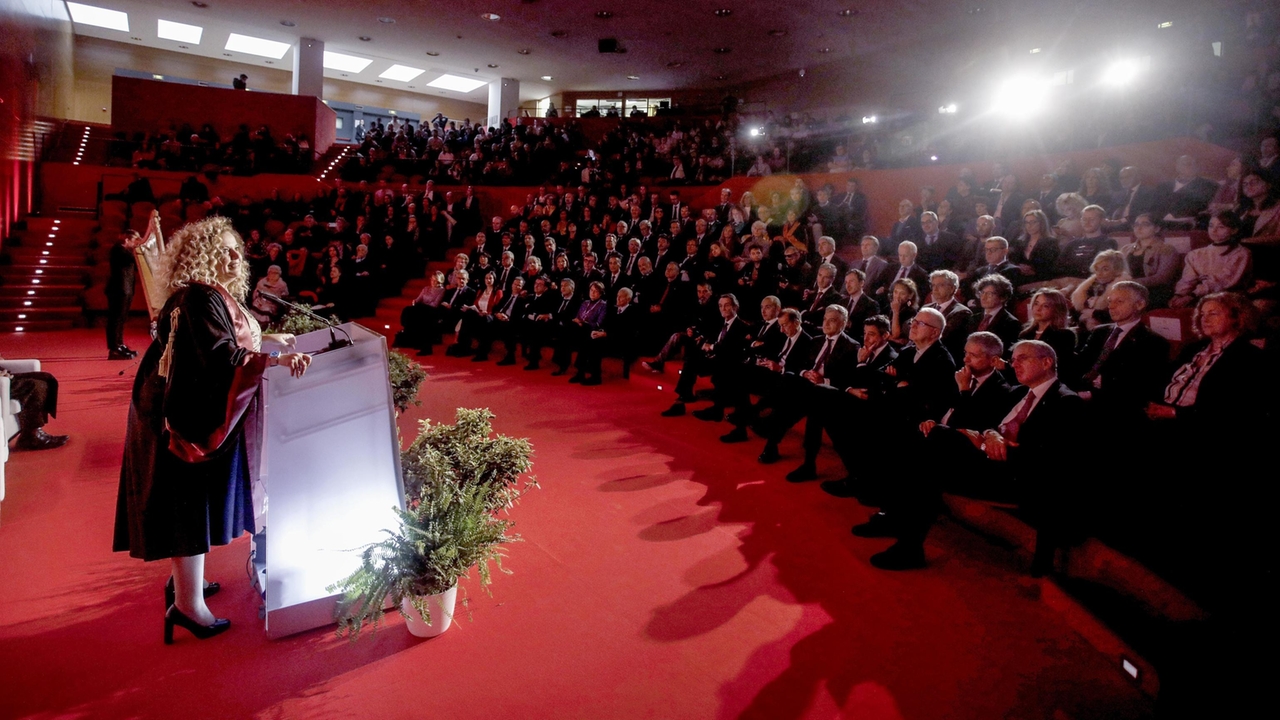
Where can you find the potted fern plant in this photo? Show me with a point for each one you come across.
(460, 482)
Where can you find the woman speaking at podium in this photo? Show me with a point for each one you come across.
(192, 439)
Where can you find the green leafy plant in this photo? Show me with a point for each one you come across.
(459, 485)
(406, 377)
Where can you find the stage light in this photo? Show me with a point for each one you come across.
(933, 158)
(1020, 97)
(256, 46)
(1162, 26)
(182, 32)
(344, 62)
(948, 109)
(1121, 72)
(755, 132)
(99, 17)
(869, 119)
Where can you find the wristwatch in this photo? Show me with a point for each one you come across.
(274, 355)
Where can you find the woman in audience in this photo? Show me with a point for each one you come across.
(418, 318)
(1069, 207)
(947, 220)
(1223, 266)
(186, 481)
(793, 232)
(483, 264)
(1090, 297)
(559, 268)
(1259, 208)
(268, 311)
(487, 299)
(1050, 313)
(1095, 188)
(904, 303)
(335, 296)
(1035, 252)
(738, 222)
(1152, 263)
(716, 269)
(363, 281)
(435, 233)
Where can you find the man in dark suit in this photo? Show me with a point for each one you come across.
(993, 293)
(826, 214)
(1006, 202)
(1123, 360)
(853, 210)
(1182, 199)
(449, 311)
(689, 320)
(586, 275)
(719, 345)
(615, 279)
(814, 302)
(763, 341)
(1028, 458)
(662, 254)
(549, 322)
(943, 285)
(506, 272)
(905, 269)
(833, 356)
(764, 374)
(724, 206)
(500, 324)
(1133, 199)
(616, 336)
(871, 263)
(996, 252)
(827, 254)
(858, 303)
(938, 248)
(794, 278)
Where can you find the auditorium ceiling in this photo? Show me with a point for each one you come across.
(661, 44)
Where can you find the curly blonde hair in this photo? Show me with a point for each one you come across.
(194, 256)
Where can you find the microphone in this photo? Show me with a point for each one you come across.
(334, 342)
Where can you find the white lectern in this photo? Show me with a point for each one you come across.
(330, 475)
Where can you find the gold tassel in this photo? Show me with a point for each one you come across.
(167, 358)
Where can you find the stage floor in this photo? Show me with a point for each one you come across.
(663, 575)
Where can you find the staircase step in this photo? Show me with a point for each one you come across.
(42, 292)
(53, 312)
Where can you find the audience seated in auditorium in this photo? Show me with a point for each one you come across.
(1151, 262)
(1222, 266)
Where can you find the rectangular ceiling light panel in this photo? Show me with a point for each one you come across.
(345, 63)
(99, 17)
(456, 83)
(257, 46)
(181, 32)
(403, 73)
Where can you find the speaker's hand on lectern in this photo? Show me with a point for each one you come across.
(289, 340)
(296, 362)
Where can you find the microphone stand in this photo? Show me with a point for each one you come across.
(334, 342)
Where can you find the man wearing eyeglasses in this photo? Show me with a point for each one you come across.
(993, 295)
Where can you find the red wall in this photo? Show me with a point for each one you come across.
(153, 104)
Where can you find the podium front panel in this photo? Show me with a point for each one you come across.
(330, 475)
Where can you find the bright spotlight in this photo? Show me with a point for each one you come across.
(933, 158)
(1021, 97)
(868, 119)
(1121, 72)
(948, 109)
(755, 132)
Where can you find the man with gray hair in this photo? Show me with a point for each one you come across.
(905, 269)
(1028, 457)
(943, 285)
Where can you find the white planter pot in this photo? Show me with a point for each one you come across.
(441, 608)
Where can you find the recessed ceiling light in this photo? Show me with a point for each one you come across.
(492, 65)
(1035, 51)
(256, 46)
(387, 20)
(848, 12)
(201, 5)
(492, 17)
(824, 51)
(1161, 26)
(674, 64)
(365, 38)
(344, 62)
(524, 51)
(403, 73)
(288, 23)
(604, 14)
(98, 17)
(457, 83)
(558, 33)
(722, 50)
(182, 32)
(777, 33)
(433, 54)
(723, 12)
(547, 78)
(633, 77)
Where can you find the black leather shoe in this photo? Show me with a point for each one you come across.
(653, 367)
(842, 488)
(127, 351)
(686, 399)
(456, 350)
(480, 358)
(900, 557)
(532, 366)
(40, 440)
(117, 355)
(577, 378)
(425, 351)
(804, 473)
(676, 410)
(209, 591)
(589, 381)
(769, 455)
(711, 414)
(173, 616)
(736, 435)
(508, 360)
(879, 526)
(560, 371)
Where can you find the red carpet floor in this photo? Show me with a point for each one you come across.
(664, 575)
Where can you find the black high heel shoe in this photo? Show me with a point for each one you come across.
(174, 616)
(209, 591)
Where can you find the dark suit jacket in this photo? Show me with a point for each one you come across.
(1005, 326)
(570, 311)
(875, 268)
(1143, 201)
(770, 337)
(984, 408)
(733, 348)
(1005, 268)
(457, 298)
(945, 252)
(1131, 376)
(872, 374)
(1191, 200)
(956, 331)
(1233, 392)
(860, 311)
(1047, 451)
(917, 275)
(840, 364)
(621, 328)
(811, 314)
(931, 383)
(799, 358)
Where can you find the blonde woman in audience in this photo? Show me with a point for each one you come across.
(1069, 206)
(1089, 299)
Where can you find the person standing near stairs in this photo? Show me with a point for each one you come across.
(119, 290)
